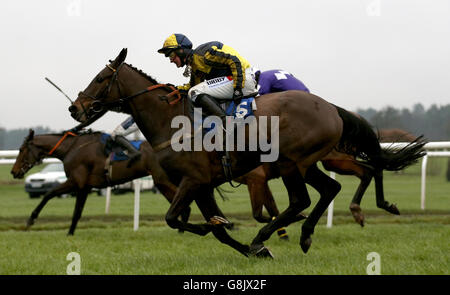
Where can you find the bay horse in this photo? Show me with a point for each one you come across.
(395, 135)
(84, 154)
(341, 163)
(309, 128)
(84, 164)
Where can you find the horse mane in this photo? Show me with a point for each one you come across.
(143, 74)
(83, 132)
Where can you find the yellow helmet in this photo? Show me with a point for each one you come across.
(174, 42)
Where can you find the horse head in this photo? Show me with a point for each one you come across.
(103, 87)
(29, 155)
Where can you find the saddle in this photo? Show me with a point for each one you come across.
(241, 107)
(235, 106)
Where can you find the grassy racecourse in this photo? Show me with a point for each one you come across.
(416, 242)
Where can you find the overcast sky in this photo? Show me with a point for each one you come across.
(353, 53)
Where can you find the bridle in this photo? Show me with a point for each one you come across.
(98, 105)
(104, 92)
(26, 166)
(37, 159)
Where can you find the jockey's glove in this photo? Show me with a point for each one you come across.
(237, 93)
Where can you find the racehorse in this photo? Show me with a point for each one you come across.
(395, 135)
(341, 163)
(309, 128)
(85, 166)
(84, 152)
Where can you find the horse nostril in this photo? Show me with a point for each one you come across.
(72, 109)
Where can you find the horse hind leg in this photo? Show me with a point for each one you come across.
(355, 209)
(272, 209)
(79, 205)
(298, 201)
(328, 189)
(379, 192)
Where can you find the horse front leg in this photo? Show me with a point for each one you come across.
(63, 188)
(182, 200)
(79, 205)
(211, 212)
(168, 190)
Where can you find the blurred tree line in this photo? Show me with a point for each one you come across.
(434, 123)
(13, 139)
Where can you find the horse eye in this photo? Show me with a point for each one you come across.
(100, 79)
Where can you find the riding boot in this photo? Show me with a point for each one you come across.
(133, 153)
(210, 107)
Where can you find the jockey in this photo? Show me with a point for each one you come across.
(118, 135)
(217, 71)
(277, 81)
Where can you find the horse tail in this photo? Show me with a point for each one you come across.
(359, 139)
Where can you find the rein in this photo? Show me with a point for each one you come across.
(121, 101)
(98, 105)
(60, 142)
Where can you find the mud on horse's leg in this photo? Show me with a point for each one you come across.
(355, 208)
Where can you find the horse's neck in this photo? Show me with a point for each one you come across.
(48, 142)
(152, 115)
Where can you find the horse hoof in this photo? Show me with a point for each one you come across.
(30, 222)
(230, 226)
(393, 209)
(359, 219)
(260, 251)
(180, 231)
(218, 220)
(357, 214)
(305, 244)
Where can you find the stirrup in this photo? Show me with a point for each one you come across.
(226, 164)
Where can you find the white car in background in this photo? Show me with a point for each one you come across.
(39, 183)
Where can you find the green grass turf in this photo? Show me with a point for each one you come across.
(416, 242)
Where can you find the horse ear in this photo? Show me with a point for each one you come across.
(30, 134)
(120, 58)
